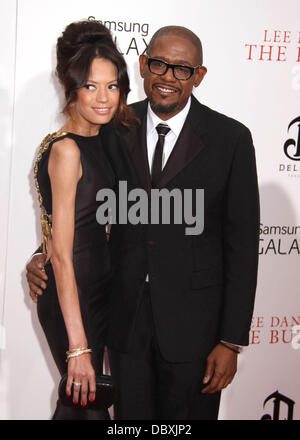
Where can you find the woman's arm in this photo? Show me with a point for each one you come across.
(65, 170)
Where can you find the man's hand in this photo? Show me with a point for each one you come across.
(220, 369)
(36, 276)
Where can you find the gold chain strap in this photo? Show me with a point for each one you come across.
(46, 220)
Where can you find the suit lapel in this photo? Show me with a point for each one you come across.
(188, 144)
(187, 147)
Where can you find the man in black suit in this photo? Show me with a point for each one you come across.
(181, 304)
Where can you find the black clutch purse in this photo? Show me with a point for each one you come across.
(105, 393)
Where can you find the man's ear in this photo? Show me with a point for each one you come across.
(199, 75)
(143, 64)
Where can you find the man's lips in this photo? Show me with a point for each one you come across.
(165, 89)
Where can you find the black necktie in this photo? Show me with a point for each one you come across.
(162, 130)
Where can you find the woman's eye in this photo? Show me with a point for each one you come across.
(113, 86)
(89, 87)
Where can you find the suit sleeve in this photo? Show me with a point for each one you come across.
(241, 238)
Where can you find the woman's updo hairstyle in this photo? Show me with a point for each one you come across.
(80, 43)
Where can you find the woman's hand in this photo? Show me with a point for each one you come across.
(81, 371)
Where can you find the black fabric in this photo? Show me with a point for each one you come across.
(151, 388)
(92, 267)
(202, 286)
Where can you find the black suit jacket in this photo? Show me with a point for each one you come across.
(202, 286)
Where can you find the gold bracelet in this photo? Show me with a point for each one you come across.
(75, 350)
(78, 353)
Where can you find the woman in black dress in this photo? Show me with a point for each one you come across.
(70, 168)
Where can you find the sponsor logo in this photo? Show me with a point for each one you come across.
(292, 146)
(279, 240)
(136, 42)
(291, 149)
(283, 407)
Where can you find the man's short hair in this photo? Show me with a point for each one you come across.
(178, 31)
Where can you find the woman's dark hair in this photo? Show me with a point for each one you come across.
(80, 43)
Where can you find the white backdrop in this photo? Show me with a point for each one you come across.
(252, 52)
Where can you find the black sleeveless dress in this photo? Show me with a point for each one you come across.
(91, 261)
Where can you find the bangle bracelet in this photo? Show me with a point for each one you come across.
(229, 348)
(75, 350)
(78, 353)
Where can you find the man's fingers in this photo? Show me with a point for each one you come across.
(209, 371)
(35, 289)
(216, 383)
(33, 296)
(36, 276)
(36, 271)
(225, 365)
(35, 281)
(36, 266)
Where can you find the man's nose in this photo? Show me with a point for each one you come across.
(169, 75)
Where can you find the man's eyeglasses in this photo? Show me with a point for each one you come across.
(159, 67)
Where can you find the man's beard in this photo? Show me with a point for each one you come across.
(163, 109)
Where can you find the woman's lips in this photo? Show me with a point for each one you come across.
(101, 110)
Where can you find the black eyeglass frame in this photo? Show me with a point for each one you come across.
(172, 66)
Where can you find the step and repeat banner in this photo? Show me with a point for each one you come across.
(252, 53)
